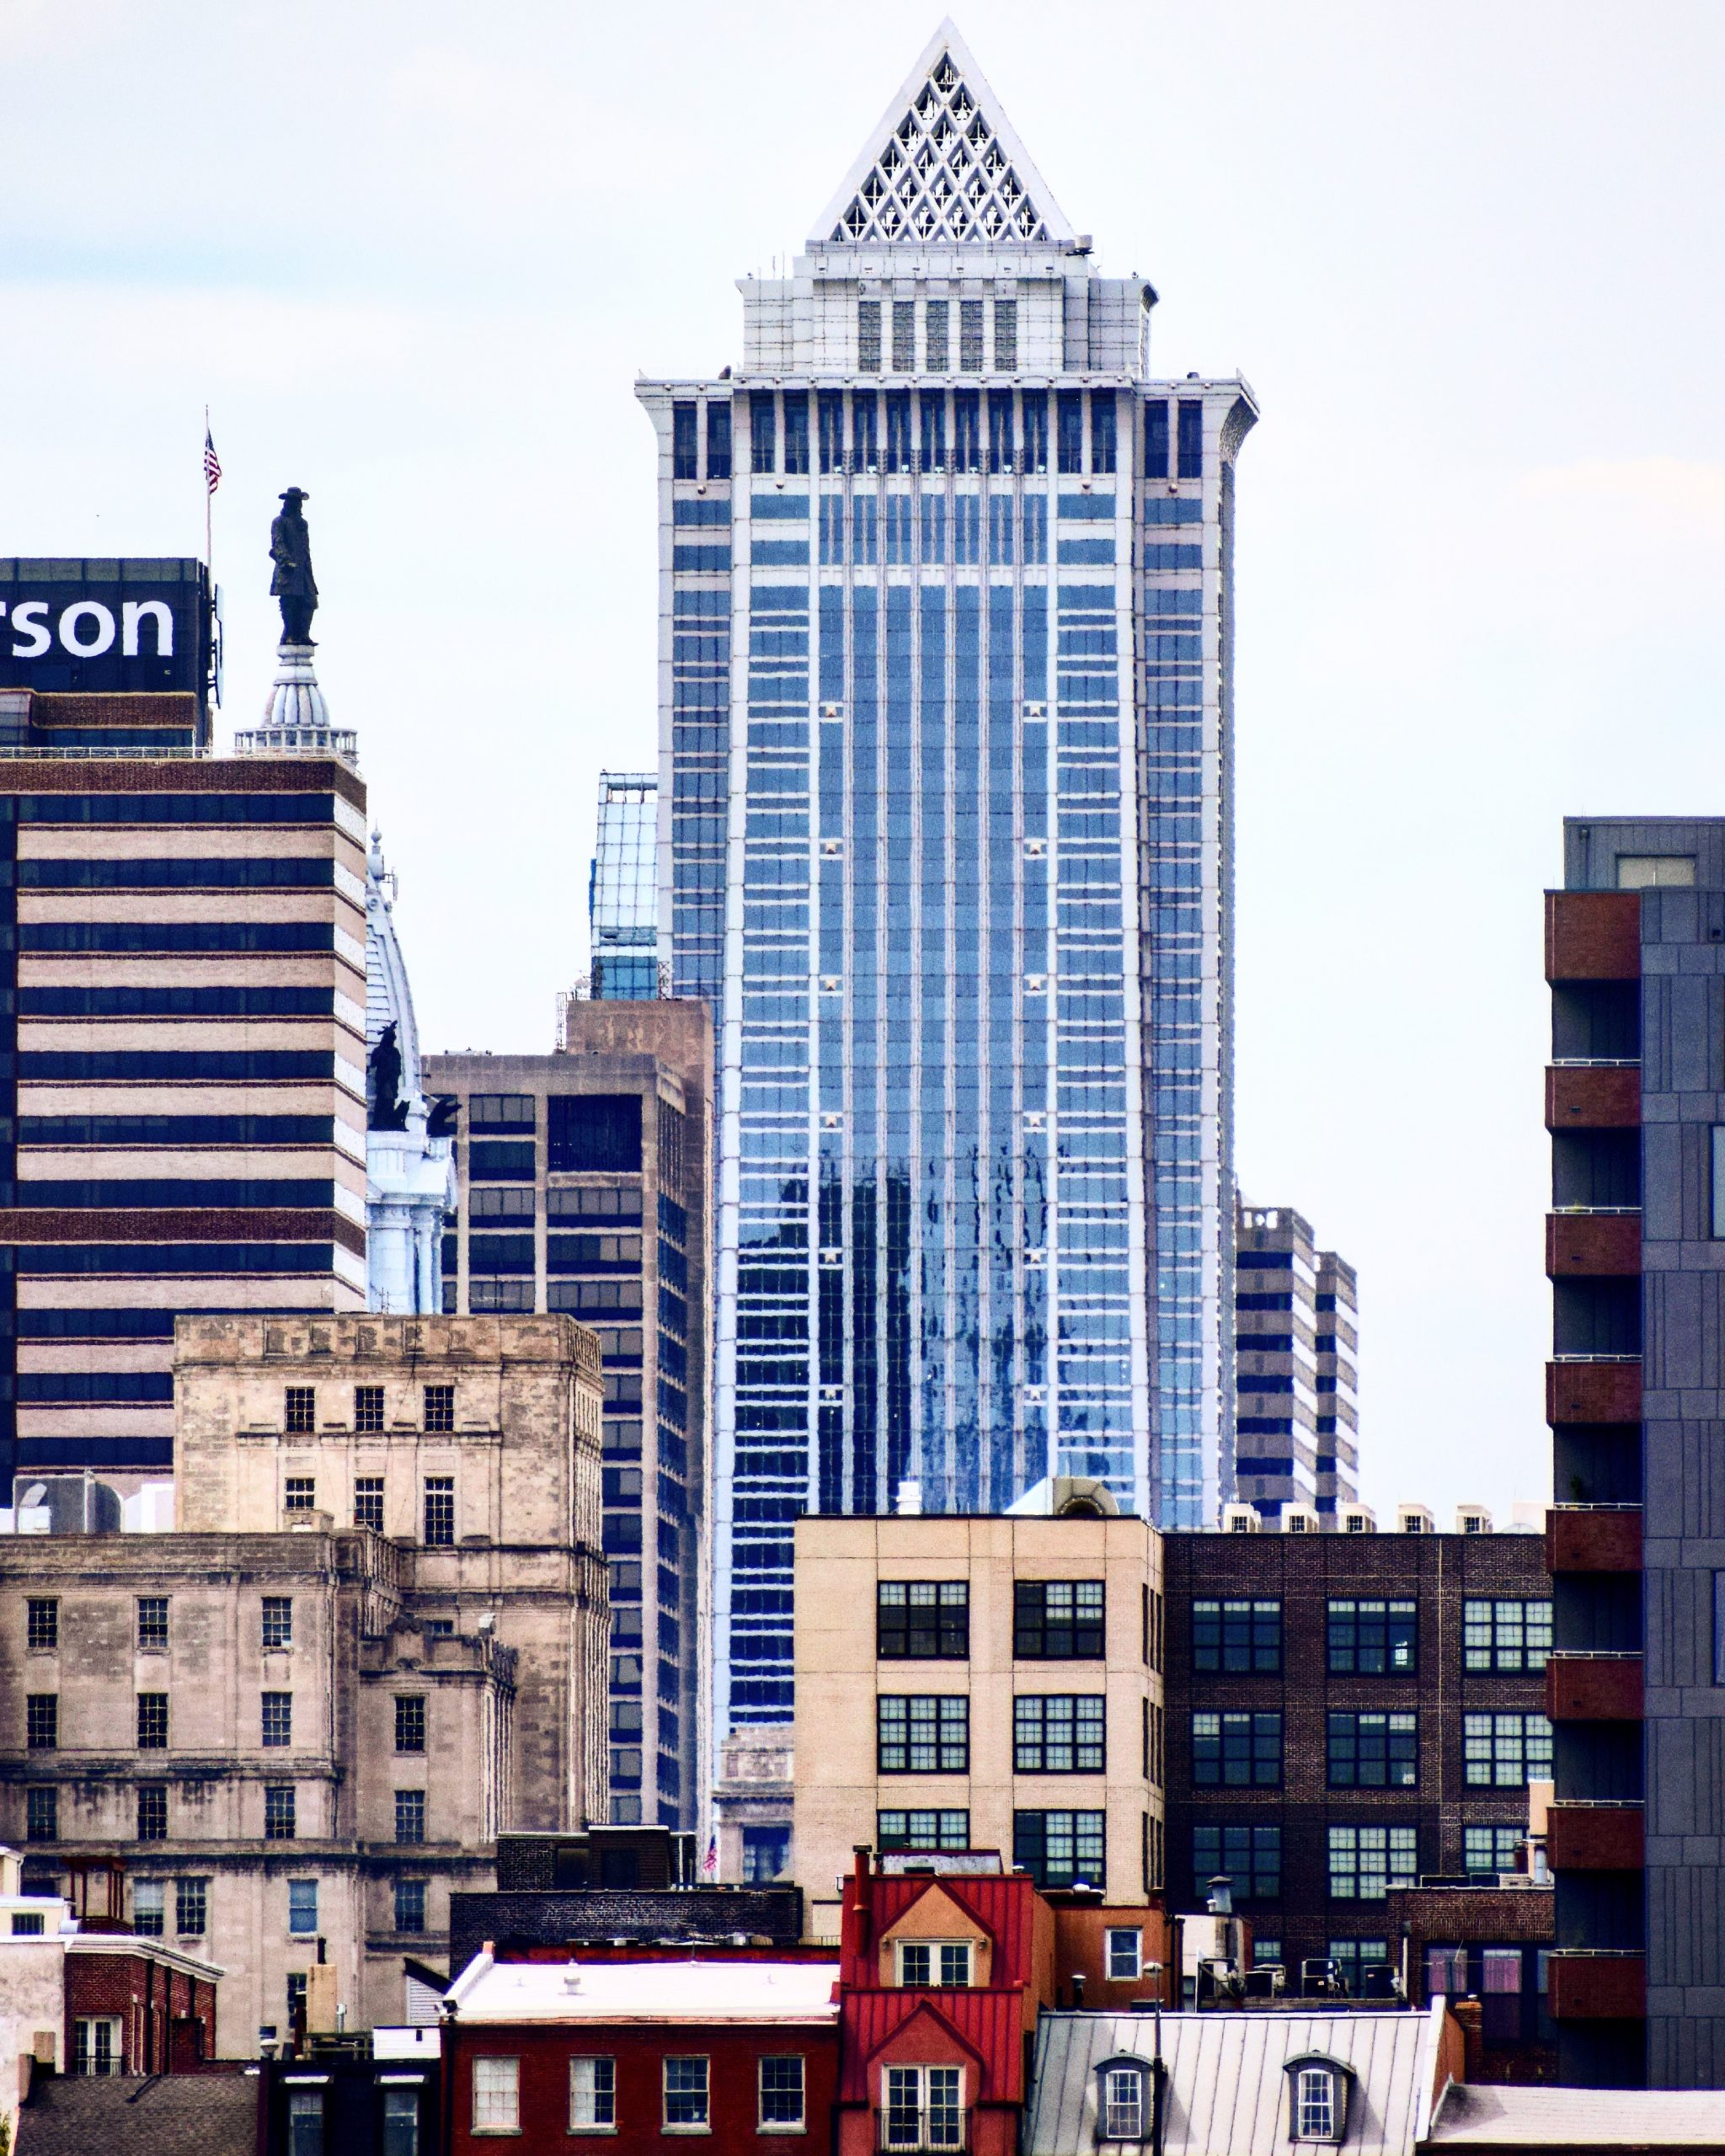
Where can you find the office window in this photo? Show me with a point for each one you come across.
(1237, 1751)
(1155, 439)
(868, 336)
(683, 442)
(301, 1411)
(1506, 1636)
(149, 1907)
(439, 1512)
(1488, 1850)
(1251, 1856)
(279, 1812)
(1102, 431)
(1505, 1751)
(1059, 1847)
(592, 2093)
(1057, 1620)
(191, 1907)
(152, 1624)
(95, 2045)
(152, 1811)
(42, 1815)
(368, 1409)
(302, 1495)
(922, 1830)
(42, 1623)
(1366, 1861)
(686, 2097)
(927, 1734)
(497, 2098)
(1059, 1734)
(763, 431)
(782, 2098)
(368, 1501)
(719, 441)
(1006, 338)
(1373, 1639)
(766, 1853)
(41, 1718)
(410, 1722)
(302, 1908)
(410, 1905)
(410, 1815)
(278, 1622)
(439, 1407)
(1237, 1636)
(1646, 872)
(796, 433)
(152, 1722)
(904, 328)
(922, 1620)
(278, 1721)
(1069, 422)
(937, 343)
(1190, 444)
(1125, 1953)
(924, 2108)
(1374, 1751)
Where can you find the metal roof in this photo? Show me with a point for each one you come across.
(1578, 2118)
(1226, 2094)
(509, 1991)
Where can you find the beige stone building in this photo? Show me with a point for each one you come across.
(991, 1683)
(376, 1637)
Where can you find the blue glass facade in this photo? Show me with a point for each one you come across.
(622, 888)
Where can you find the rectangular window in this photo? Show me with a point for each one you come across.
(368, 1501)
(925, 1964)
(970, 336)
(937, 337)
(278, 1721)
(28, 1923)
(683, 442)
(1000, 530)
(967, 530)
(1505, 1751)
(302, 1908)
(1070, 422)
(1488, 1851)
(152, 1811)
(439, 1512)
(763, 431)
(401, 2123)
(1060, 1849)
(152, 1624)
(782, 2094)
(829, 412)
(439, 1407)
(967, 431)
(903, 336)
(410, 1816)
(301, 1494)
(796, 433)
(1006, 338)
(95, 2045)
(191, 1907)
(279, 1812)
(1355, 1956)
(1374, 1751)
(932, 405)
(592, 2081)
(1237, 1751)
(410, 1905)
(410, 1722)
(42, 1815)
(1057, 1620)
(1366, 1861)
(1000, 457)
(301, 1411)
(149, 1907)
(1035, 413)
(685, 2097)
(923, 2108)
(898, 430)
(1644, 871)
(927, 1734)
(719, 441)
(1123, 2104)
(41, 1718)
(922, 1830)
(1315, 2104)
(1509, 1635)
(1191, 440)
(1155, 439)
(922, 1620)
(1103, 434)
(152, 1722)
(1719, 1628)
(368, 1409)
(42, 1623)
(868, 336)
(497, 2095)
(1251, 1856)
(1237, 1637)
(1373, 1639)
(1059, 1734)
(278, 1622)
(865, 434)
(865, 530)
(1125, 1953)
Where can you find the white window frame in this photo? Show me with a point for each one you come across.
(1132, 1940)
(937, 1950)
(1124, 2105)
(704, 2123)
(800, 2123)
(90, 2056)
(592, 2099)
(496, 2084)
(1315, 2104)
(921, 2082)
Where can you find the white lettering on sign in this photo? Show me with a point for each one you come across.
(22, 618)
(132, 613)
(103, 636)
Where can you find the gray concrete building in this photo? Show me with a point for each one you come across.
(1296, 1346)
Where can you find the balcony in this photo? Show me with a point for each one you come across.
(1593, 1243)
(1593, 1688)
(1603, 1984)
(1594, 1389)
(1593, 1538)
(921, 2133)
(1593, 936)
(1595, 1837)
(1593, 1097)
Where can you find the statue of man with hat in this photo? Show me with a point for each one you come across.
(293, 582)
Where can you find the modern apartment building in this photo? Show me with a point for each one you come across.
(584, 1189)
(946, 831)
(1296, 1343)
(1635, 1103)
(623, 890)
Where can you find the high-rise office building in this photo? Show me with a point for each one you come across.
(622, 888)
(945, 637)
(1295, 1341)
(1635, 1103)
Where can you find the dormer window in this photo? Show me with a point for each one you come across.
(926, 1964)
(1123, 2105)
(1317, 2099)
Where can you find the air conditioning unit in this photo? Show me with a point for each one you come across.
(1300, 1519)
(1415, 1519)
(1472, 1519)
(1357, 1519)
(1240, 1520)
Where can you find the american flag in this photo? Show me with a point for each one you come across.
(710, 1861)
(212, 464)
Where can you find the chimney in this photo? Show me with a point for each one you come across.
(1470, 2016)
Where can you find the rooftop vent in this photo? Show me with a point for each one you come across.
(1240, 1520)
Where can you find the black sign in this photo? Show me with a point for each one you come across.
(105, 627)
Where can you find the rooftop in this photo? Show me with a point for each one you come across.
(509, 1992)
(1578, 2118)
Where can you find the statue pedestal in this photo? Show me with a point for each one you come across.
(296, 720)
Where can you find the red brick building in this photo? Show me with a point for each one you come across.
(136, 2006)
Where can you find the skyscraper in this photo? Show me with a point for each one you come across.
(945, 839)
(622, 888)
(1294, 1314)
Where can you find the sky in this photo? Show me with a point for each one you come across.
(413, 257)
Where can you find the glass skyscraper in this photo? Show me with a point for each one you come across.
(945, 838)
(622, 888)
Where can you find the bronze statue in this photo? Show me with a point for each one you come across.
(293, 582)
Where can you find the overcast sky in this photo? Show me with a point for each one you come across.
(414, 256)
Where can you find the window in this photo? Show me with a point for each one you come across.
(152, 1722)
(1505, 1751)
(1057, 1620)
(922, 1620)
(368, 1501)
(1125, 1955)
(1059, 1847)
(1506, 1636)
(301, 1494)
(278, 1622)
(683, 442)
(1366, 1861)
(42, 1623)
(1069, 422)
(1314, 2103)
(1101, 431)
(1446, 1972)
(926, 1963)
(1644, 871)
(1155, 439)
(1058, 1734)
(1719, 1628)
(593, 2095)
(410, 1722)
(1122, 2106)
(1374, 1639)
(300, 1414)
(149, 1907)
(903, 321)
(368, 1409)
(95, 2045)
(41, 1714)
(970, 336)
(924, 2107)
(410, 1905)
(1190, 442)
(152, 1624)
(923, 1735)
(766, 1853)
(1374, 1751)
(278, 1811)
(922, 1830)
(278, 1721)
(410, 1815)
(439, 1407)
(1237, 1751)
(497, 2095)
(42, 1815)
(191, 1907)
(1250, 1857)
(439, 1512)
(1488, 1850)
(401, 2122)
(686, 2100)
(763, 431)
(28, 1923)
(1006, 338)
(719, 441)
(152, 1811)
(868, 336)
(1237, 1637)
(782, 2097)
(302, 1908)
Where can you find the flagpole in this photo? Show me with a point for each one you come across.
(209, 497)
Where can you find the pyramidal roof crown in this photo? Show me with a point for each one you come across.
(943, 165)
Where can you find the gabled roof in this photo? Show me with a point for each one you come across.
(943, 164)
